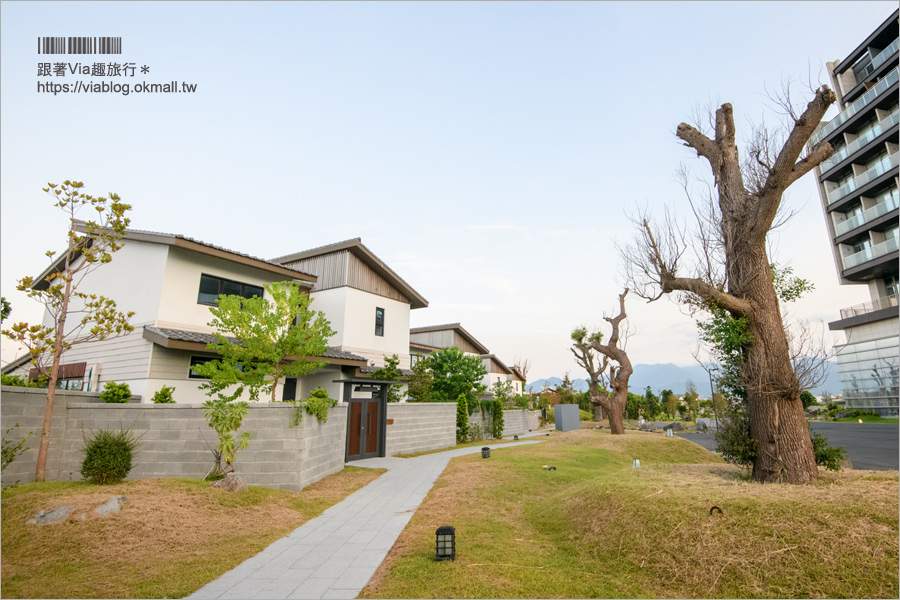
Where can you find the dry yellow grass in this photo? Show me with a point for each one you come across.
(172, 537)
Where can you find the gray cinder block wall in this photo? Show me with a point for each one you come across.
(419, 427)
(176, 440)
(514, 421)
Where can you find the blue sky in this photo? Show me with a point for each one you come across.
(487, 152)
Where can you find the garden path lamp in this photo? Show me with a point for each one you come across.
(445, 544)
(485, 452)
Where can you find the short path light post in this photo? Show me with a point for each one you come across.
(445, 543)
(485, 452)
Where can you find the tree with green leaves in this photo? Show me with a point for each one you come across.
(670, 402)
(421, 381)
(807, 399)
(462, 419)
(456, 373)
(691, 399)
(76, 317)
(565, 391)
(503, 392)
(273, 338)
(391, 371)
(225, 417)
(652, 407)
(5, 309)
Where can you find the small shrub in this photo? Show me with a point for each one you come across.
(551, 415)
(164, 395)
(584, 415)
(17, 381)
(827, 456)
(11, 450)
(108, 456)
(317, 404)
(733, 439)
(115, 393)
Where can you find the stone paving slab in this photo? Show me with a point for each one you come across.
(336, 554)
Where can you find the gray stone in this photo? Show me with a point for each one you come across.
(54, 515)
(645, 426)
(701, 426)
(674, 427)
(113, 505)
(231, 483)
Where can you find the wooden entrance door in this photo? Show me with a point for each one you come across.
(364, 428)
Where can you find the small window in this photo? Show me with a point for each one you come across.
(212, 287)
(379, 321)
(198, 360)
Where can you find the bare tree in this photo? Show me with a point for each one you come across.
(522, 365)
(613, 398)
(748, 197)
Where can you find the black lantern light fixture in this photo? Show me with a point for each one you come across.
(445, 543)
(516, 438)
(485, 452)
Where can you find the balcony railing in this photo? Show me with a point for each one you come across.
(863, 101)
(878, 61)
(870, 174)
(867, 307)
(861, 141)
(882, 208)
(880, 249)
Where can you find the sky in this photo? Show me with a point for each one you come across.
(489, 153)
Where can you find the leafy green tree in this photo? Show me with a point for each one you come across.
(808, 400)
(456, 373)
(670, 402)
(565, 391)
(421, 381)
(5, 309)
(651, 407)
(496, 419)
(391, 371)
(273, 339)
(90, 244)
(633, 405)
(503, 392)
(691, 399)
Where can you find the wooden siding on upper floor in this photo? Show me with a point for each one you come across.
(494, 367)
(443, 338)
(343, 268)
(362, 277)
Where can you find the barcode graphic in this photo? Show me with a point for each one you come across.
(79, 45)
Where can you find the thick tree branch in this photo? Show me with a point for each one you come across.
(704, 146)
(733, 304)
(786, 169)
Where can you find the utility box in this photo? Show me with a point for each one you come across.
(567, 417)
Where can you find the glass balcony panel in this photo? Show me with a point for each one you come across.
(880, 87)
(886, 164)
(871, 253)
(886, 54)
(861, 141)
(882, 208)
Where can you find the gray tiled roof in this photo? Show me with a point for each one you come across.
(208, 338)
(406, 372)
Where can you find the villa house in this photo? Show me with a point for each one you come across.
(171, 281)
(425, 340)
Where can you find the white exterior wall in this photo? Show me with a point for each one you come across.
(352, 315)
(179, 308)
(133, 279)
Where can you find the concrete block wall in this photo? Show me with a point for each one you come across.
(419, 427)
(515, 422)
(175, 439)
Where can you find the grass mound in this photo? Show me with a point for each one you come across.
(596, 527)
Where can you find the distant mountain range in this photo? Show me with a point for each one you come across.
(672, 377)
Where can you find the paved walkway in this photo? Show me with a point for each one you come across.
(335, 554)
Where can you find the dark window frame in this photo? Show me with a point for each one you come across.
(379, 321)
(222, 281)
(198, 360)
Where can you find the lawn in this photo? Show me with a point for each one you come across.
(596, 527)
(865, 419)
(172, 537)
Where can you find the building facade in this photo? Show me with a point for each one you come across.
(858, 188)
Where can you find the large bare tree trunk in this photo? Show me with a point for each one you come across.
(777, 423)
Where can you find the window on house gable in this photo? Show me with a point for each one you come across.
(379, 321)
(212, 287)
